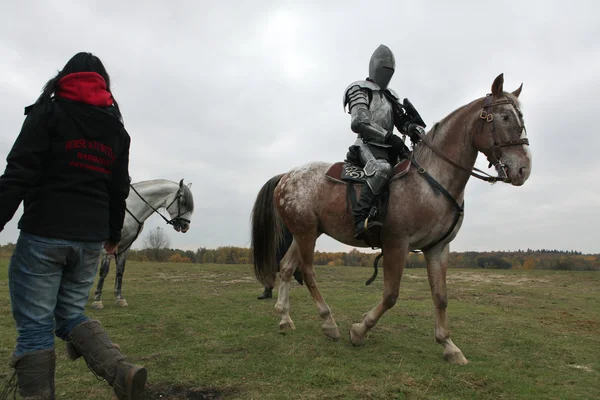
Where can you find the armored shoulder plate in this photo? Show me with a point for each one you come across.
(361, 85)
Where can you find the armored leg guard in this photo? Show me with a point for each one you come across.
(267, 294)
(105, 359)
(377, 171)
(365, 225)
(35, 374)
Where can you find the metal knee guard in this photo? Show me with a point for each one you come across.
(378, 174)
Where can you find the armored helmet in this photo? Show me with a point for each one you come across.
(382, 66)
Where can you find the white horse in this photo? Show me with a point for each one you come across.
(146, 198)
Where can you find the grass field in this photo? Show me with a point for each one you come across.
(203, 335)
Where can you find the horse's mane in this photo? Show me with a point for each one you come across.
(188, 198)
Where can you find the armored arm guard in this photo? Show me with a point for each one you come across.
(357, 98)
(406, 118)
(401, 118)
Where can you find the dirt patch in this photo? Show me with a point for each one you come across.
(582, 367)
(495, 278)
(179, 392)
(588, 324)
(416, 277)
(232, 350)
(245, 279)
(524, 281)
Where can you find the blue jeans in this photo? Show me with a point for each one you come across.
(49, 281)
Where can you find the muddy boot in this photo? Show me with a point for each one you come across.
(105, 359)
(267, 294)
(366, 229)
(35, 374)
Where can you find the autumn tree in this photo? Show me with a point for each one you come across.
(156, 243)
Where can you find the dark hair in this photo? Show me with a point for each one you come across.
(80, 62)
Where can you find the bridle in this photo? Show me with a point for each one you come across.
(178, 221)
(493, 153)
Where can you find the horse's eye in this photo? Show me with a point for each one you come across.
(505, 118)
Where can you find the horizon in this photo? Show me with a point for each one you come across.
(227, 97)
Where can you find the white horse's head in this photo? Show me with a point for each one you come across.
(180, 207)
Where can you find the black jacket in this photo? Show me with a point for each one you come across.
(70, 166)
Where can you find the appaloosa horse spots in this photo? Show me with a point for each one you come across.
(419, 216)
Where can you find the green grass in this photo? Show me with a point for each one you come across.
(527, 335)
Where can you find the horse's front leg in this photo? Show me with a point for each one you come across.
(120, 261)
(437, 262)
(104, 267)
(393, 264)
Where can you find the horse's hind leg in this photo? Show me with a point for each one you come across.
(306, 247)
(437, 262)
(104, 268)
(393, 266)
(289, 263)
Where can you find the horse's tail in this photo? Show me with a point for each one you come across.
(267, 234)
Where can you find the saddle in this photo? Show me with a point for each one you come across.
(347, 172)
(351, 174)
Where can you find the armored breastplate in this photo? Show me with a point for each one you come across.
(381, 111)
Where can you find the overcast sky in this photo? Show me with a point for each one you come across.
(227, 94)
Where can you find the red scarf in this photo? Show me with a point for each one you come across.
(85, 87)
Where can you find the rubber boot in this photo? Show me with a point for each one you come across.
(35, 374)
(105, 359)
(267, 294)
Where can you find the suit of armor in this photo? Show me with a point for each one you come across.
(375, 110)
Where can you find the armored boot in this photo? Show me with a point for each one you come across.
(35, 374)
(105, 359)
(364, 213)
(267, 294)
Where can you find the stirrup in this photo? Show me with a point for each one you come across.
(369, 228)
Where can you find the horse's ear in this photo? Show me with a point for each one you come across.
(497, 85)
(181, 183)
(517, 92)
(189, 185)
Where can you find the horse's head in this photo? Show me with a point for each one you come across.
(501, 134)
(181, 207)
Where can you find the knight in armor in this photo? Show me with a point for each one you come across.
(375, 109)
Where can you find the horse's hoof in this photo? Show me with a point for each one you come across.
(98, 305)
(331, 331)
(456, 357)
(287, 326)
(355, 337)
(122, 303)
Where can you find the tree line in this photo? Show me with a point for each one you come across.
(156, 248)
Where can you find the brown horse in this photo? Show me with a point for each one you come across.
(425, 210)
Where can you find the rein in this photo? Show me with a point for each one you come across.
(177, 220)
(494, 151)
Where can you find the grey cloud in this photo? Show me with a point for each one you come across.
(227, 95)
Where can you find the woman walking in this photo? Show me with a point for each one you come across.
(70, 167)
